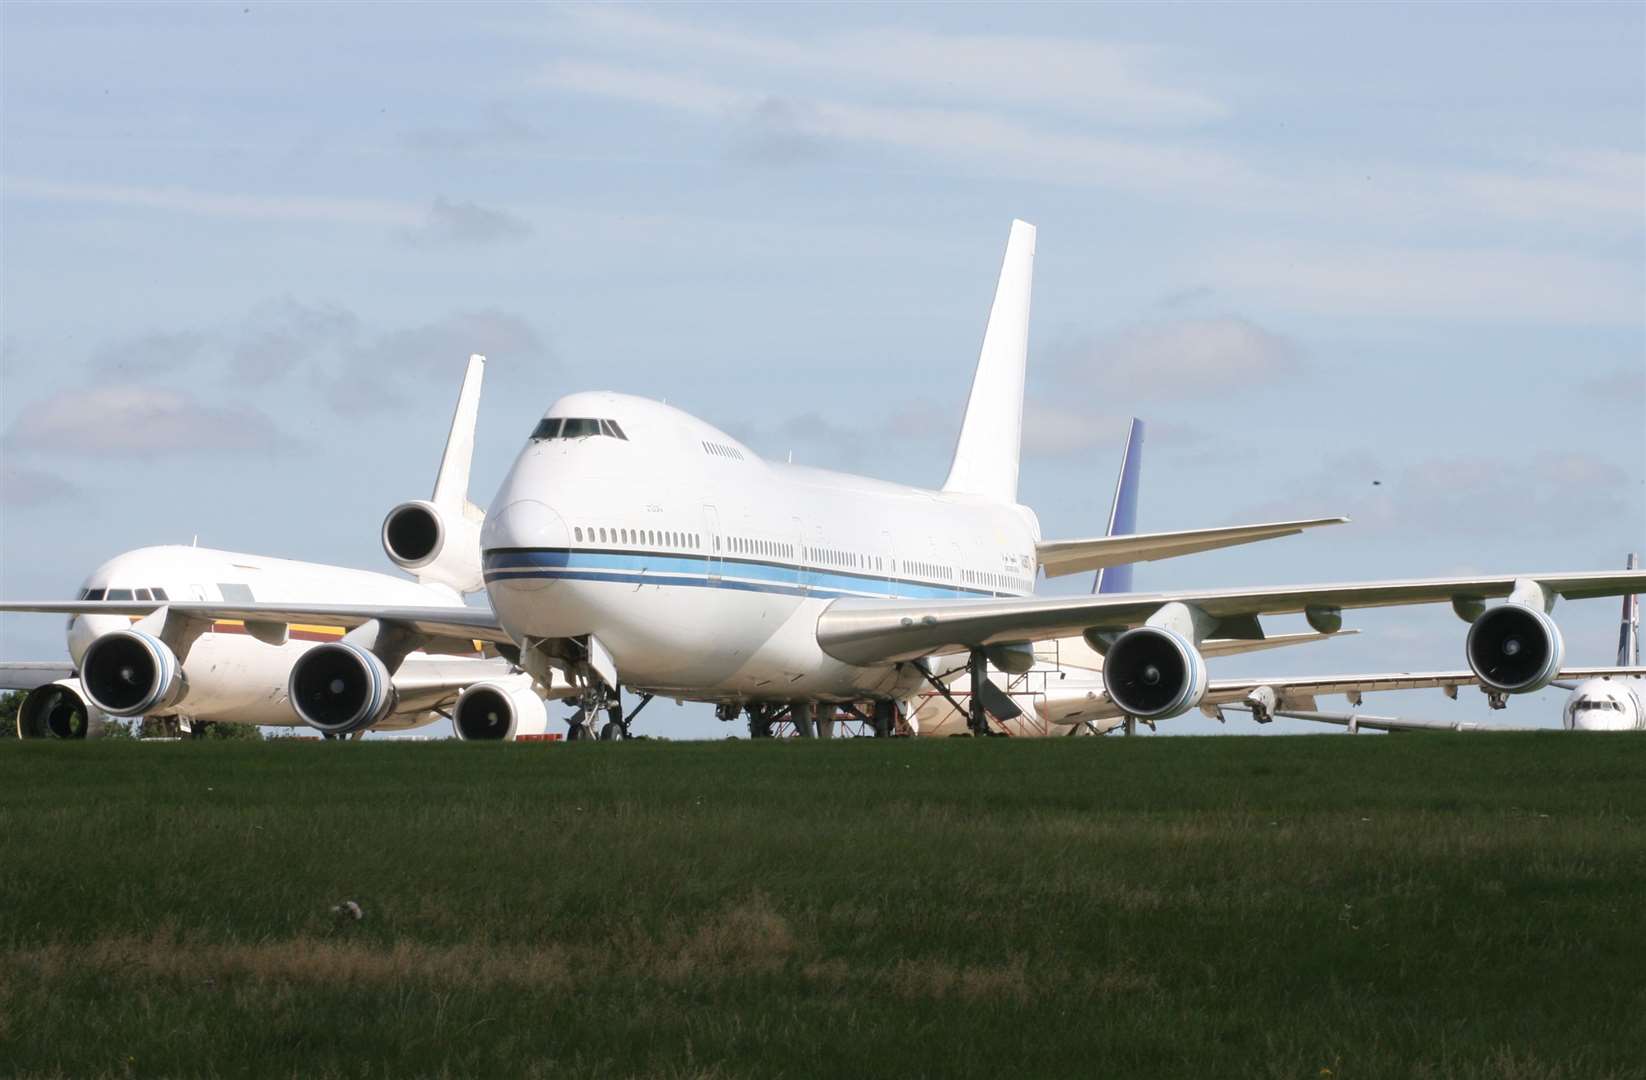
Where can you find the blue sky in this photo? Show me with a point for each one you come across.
(1380, 260)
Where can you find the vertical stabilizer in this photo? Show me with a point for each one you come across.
(1123, 512)
(986, 456)
(451, 483)
(1628, 636)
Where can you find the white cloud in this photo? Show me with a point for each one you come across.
(30, 488)
(138, 421)
(330, 210)
(149, 353)
(1488, 284)
(466, 224)
(1527, 495)
(1055, 431)
(1115, 81)
(1181, 358)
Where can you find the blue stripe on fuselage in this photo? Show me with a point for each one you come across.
(672, 568)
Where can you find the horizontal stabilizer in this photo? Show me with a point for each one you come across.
(1059, 557)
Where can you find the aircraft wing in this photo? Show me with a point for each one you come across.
(28, 674)
(865, 632)
(1295, 692)
(465, 623)
(1354, 721)
(1058, 557)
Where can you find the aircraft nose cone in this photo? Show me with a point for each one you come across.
(519, 541)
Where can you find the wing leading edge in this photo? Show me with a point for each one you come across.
(868, 632)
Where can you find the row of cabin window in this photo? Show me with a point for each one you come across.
(637, 536)
(926, 569)
(745, 545)
(994, 581)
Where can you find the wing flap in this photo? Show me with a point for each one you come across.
(1059, 557)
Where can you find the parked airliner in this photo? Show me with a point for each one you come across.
(237, 670)
(632, 544)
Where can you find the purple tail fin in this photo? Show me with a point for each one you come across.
(1123, 512)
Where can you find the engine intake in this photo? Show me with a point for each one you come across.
(436, 546)
(491, 711)
(58, 711)
(1154, 674)
(1515, 649)
(339, 688)
(129, 673)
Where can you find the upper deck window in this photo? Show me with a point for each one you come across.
(575, 427)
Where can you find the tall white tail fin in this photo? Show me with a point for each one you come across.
(438, 540)
(451, 483)
(991, 436)
(1628, 636)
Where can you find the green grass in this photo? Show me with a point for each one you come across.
(1439, 906)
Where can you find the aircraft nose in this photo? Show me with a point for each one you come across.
(521, 542)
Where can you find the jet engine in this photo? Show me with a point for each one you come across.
(1154, 674)
(58, 710)
(339, 688)
(436, 545)
(130, 673)
(488, 711)
(1515, 648)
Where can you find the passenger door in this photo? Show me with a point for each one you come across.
(712, 542)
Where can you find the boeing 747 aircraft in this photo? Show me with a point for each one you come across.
(222, 670)
(634, 545)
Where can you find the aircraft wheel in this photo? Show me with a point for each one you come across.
(610, 732)
(576, 731)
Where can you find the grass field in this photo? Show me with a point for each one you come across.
(1432, 906)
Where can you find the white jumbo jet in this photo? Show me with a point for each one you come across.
(1601, 699)
(634, 545)
(208, 669)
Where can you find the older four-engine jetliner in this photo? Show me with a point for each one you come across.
(633, 544)
(207, 669)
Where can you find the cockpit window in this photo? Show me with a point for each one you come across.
(575, 427)
(144, 594)
(160, 594)
(1601, 704)
(119, 594)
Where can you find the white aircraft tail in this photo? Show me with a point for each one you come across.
(991, 436)
(437, 540)
(451, 483)
(1628, 636)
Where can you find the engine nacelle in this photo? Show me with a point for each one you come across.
(496, 711)
(130, 673)
(59, 710)
(436, 546)
(1515, 649)
(339, 688)
(1154, 674)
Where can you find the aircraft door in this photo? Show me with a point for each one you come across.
(803, 578)
(711, 543)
